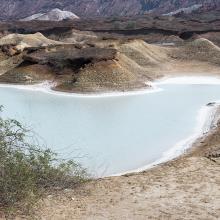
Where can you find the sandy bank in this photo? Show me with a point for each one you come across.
(191, 78)
(206, 120)
(185, 188)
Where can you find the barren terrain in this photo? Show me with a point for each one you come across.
(185, 188)
(112, 56)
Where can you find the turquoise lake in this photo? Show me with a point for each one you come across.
(110, 135)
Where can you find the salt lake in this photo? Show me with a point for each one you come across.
(117, 133)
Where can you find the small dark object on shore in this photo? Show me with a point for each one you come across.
(211, 104)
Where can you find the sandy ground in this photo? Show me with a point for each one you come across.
(185, 188)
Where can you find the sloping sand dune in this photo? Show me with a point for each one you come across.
(144, 54)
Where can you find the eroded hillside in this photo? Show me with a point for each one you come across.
(85, 62)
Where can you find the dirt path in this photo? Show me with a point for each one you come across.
(184, 189)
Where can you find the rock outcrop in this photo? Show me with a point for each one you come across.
(101, 64)
(53, 15)
(21, 41)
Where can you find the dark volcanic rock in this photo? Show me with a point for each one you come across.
(61, 57)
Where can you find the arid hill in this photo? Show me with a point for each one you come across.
(121, 54)
(108, 54)
(53, 15)
(152, 29)
(100, 64)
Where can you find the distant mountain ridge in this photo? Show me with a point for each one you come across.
(18, 9)
(53, 15)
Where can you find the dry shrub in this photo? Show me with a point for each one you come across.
(26, 170)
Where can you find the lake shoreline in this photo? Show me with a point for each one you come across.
(185, 184)
(195, 172)
(208, 117)
(205, 115)
(151, 86)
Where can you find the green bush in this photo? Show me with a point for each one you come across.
(26, 170)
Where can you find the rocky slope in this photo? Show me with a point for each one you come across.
(94, 55)
(17, 9)
(100, 64)
(53, 15)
